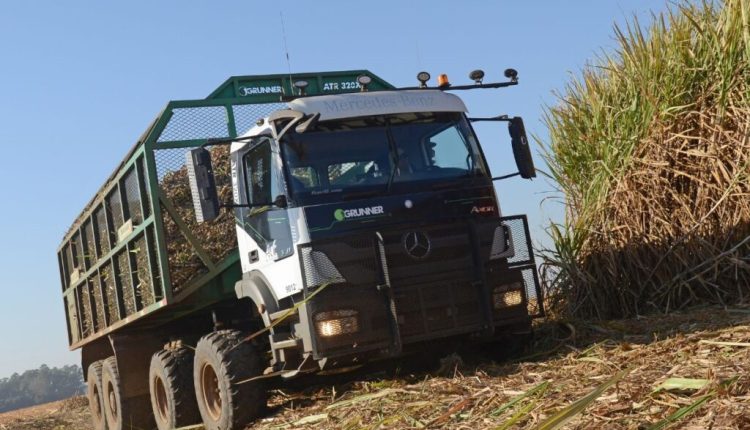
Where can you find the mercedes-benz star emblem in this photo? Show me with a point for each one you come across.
(417, 244)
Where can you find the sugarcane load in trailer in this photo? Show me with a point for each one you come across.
(285, 225)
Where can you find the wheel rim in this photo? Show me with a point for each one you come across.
(210, 393)
(160, 394)
(112, 409)
(96, 404)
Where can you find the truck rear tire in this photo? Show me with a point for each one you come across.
(223, 364)
(172, 390)
(133, 413)
(95, 396)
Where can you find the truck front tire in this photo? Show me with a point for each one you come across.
(95, 396)
(123, 413)
(172, 390)
(224, 363)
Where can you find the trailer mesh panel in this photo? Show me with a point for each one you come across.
(114, 206)
(196, 123)
(89, 248)
(110, 288)
(133, 197)
(143, 288)
(125, 281)
(88, 318)
(100, 218)
(100, 314)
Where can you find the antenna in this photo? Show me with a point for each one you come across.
(419, 57)
(286, 52)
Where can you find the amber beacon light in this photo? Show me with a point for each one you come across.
(443, 80)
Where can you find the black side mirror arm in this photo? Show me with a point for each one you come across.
(280, 202)
(519, 143)
(504, 118)
(500, 178)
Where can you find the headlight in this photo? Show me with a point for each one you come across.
(507, 295)
(336, 323)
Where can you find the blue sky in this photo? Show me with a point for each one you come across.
(80, 82)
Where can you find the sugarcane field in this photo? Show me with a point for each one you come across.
(560, 240)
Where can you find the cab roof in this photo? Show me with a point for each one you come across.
(378, 103)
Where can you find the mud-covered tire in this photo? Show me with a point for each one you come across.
(95, 396)
(133, 413)
(223, 364)
(170, 380)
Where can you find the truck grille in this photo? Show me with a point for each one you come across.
(449, 256)
(435, 294)
(428, 309)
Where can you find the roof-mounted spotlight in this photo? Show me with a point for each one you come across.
(364, 81)
(423, 77)
(477, 76)
(301, 86)
(511, 74)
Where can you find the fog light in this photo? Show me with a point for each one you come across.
(507, 295)
(336, 323)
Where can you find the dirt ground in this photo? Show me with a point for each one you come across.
(687, 370)
(69, 414)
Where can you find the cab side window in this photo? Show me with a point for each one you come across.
(258, 175)
(269, 227)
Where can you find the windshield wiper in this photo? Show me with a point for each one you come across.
(394, 155)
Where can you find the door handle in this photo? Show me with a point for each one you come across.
(254, 256)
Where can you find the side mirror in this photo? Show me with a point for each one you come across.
(202, 184)
(280, 201)
(521, 149)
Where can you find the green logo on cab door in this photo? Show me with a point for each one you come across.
(345, 214)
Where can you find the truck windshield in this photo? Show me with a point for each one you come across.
(369, 155)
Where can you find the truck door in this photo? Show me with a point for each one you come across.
(266, 224)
